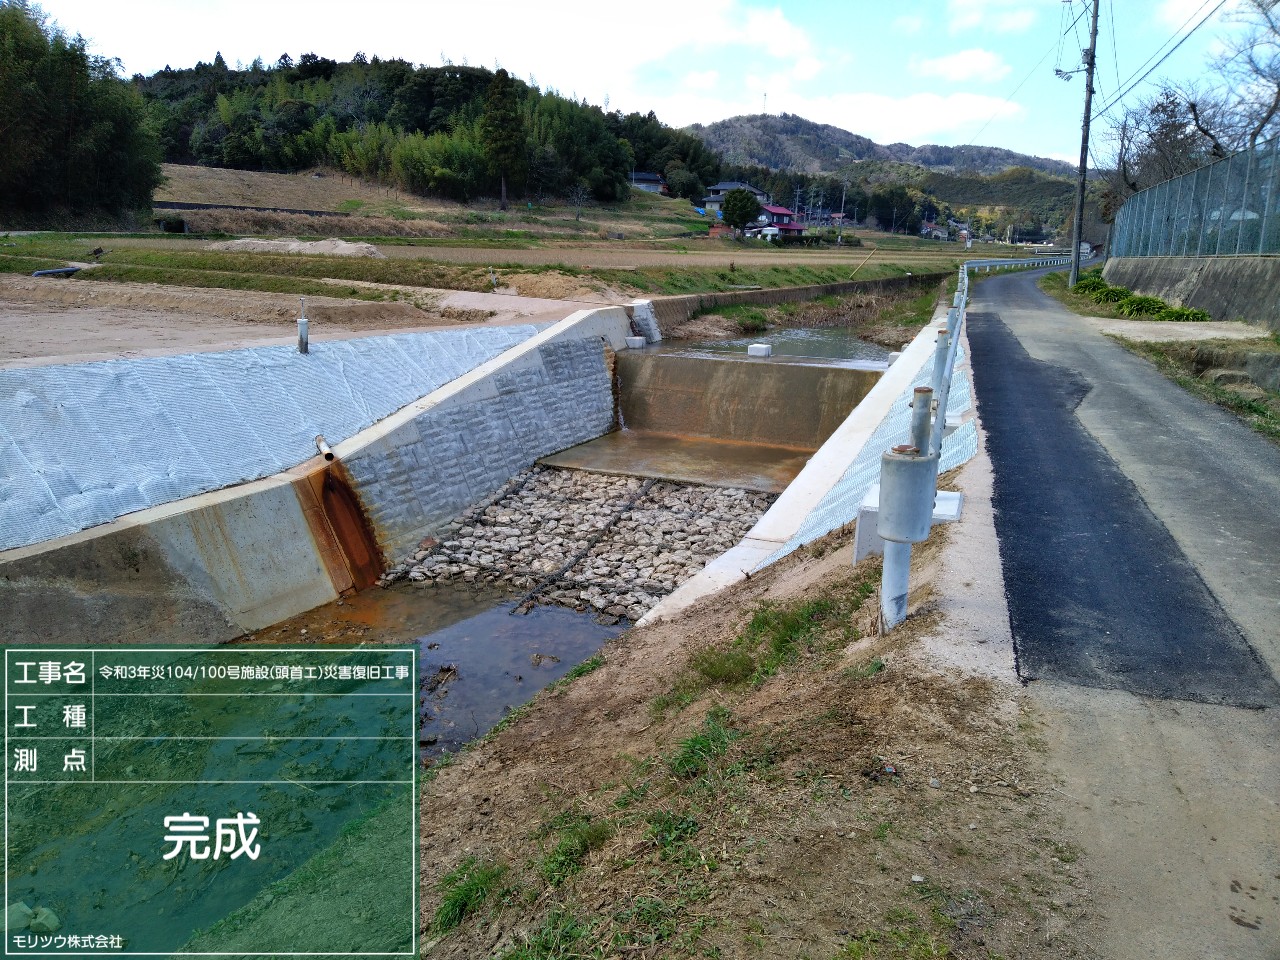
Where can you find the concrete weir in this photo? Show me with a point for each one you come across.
(226, 562)
(737, 422)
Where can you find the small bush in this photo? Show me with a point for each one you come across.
(1090, 283)
(464, 889)
(1136, 305)
(1184, 315)
(1110, 295)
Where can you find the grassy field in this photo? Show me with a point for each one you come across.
(646, 245)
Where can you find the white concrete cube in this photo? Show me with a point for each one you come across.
(760, 350)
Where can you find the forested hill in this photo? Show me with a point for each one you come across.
(454, 131)
(788, 142)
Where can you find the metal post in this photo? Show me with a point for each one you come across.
(921, 418)
(940, 357)
(895, 583)
(303, 333)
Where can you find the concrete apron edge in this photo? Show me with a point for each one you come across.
(823, 471)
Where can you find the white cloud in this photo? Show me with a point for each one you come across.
(701, 80)
(908, 23)
(1002, 16)
(973, 64)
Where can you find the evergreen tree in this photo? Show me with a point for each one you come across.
(72, 133)
(502, 132)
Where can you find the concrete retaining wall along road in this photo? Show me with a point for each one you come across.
(1229, 288)
(674, 310)
(215, 566)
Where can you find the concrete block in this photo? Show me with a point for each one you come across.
(759, 350)
(636, 343)
(866, 539)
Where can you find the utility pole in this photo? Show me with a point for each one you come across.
(1078, 228)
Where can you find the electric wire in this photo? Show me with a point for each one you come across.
(1115, 100)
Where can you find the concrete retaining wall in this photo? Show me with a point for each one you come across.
(423, 466)
(673, 310)
(1229, 288)
(213, 567)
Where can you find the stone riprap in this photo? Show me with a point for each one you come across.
(615, 545)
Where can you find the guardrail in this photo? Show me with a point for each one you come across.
(909, 471)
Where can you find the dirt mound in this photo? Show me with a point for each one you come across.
(331, 247)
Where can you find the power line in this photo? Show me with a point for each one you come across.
(1115, 54)
(1030, 74)
(1125, 92)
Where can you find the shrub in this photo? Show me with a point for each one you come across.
(1184, 315)
(1136, 305)
(1090, 283)
(1111, 295)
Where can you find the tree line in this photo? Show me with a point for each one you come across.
(74, 137)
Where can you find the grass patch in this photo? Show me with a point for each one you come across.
(696, 753)
(581, 670)
(465, 889)
(775, 635)
(578, 835)
(1258, 414)
(28, 265)
(225, 281)
(902, 936)
(561, 936)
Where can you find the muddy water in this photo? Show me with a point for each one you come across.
(477, 659)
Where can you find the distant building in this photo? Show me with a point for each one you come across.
(782, 219)
(714, 200)
(650, 183)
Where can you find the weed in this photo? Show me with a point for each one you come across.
(465, 889)
(729, 667)
(668, 829)
(883, 830)
(656, 916)
(697, 752)
(562, 936)
(903, 937)
(780, 631)
(578, 837)
(865, 671)
(581, 670)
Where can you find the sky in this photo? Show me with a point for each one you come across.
(913, 71)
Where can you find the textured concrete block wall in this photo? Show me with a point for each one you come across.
(460, 451)
(1229, 288)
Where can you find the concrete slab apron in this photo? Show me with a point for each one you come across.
(1211, 481)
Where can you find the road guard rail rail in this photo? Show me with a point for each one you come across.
(909, 470)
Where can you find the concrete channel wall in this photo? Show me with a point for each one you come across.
(212, 567)
(1229, 288)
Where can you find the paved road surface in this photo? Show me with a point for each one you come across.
(1139, 526)
(1140, 539)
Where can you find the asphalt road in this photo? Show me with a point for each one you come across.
(1139, 527)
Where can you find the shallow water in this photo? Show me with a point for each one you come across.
(829, 344)
(494, 661)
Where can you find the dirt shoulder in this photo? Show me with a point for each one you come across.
(764, 777)
(60, 321)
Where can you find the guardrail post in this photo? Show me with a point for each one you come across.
(908, 482)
